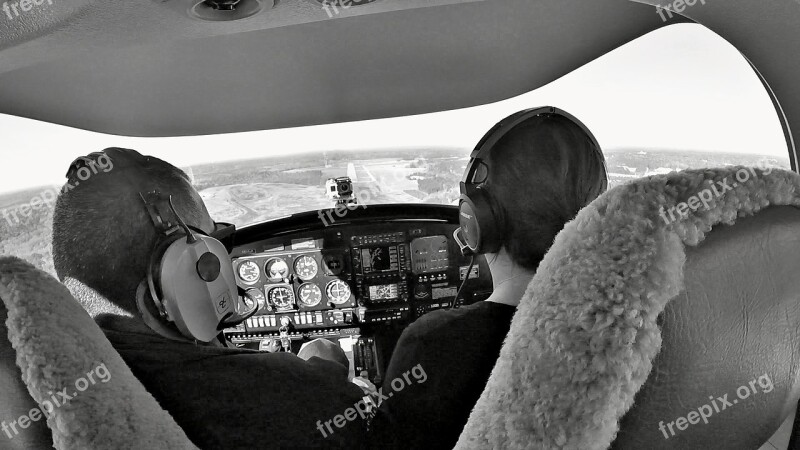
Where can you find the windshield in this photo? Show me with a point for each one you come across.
(252, 191)
(671, 100)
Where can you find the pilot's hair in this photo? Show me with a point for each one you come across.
(102, 233)
(541, 173)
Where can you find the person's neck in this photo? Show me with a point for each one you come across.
(105, 313)
(509, 279)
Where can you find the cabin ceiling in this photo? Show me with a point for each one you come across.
(149, 68)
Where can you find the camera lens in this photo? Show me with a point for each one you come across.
(345, 188)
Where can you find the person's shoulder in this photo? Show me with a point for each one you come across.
(443, 320)
(476, 311)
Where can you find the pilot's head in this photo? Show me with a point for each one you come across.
(540, 174)
(102, 233)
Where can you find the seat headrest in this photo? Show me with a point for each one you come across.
(585, 335)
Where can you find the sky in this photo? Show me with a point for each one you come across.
(681, 87)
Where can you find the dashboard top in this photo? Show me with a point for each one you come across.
(343, 216)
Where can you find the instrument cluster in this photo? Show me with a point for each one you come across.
(362, 282)
(296, 280)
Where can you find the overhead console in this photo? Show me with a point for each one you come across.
(366, 276)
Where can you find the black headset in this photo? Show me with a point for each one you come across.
(481, 219)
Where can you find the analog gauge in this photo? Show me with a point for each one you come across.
(282, 297)
(310, 294)
(249, 272)
(333, 264)
(254, 298)
(306, 267)
(338, 292)
(277, 269)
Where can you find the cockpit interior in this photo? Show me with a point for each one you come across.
(335, 146)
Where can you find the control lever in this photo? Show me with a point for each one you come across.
(286, 343)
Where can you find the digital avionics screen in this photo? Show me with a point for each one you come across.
(383, 292)
(379, 259)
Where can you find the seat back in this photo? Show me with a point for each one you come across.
(733, 331)
(68, 366)
(16, 402)
(665, 315)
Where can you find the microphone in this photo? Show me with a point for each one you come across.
(465, 250)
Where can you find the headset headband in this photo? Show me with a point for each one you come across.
(494, 135)
(481, 223)
(158, 205)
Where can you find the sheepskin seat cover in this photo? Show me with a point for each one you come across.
(584, 336)
(57, 344)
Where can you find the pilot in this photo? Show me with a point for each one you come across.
(530, 175)
(104, 232)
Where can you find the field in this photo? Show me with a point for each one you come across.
(626, 164)
(248, 192)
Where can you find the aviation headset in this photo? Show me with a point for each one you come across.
(481, 221)
(190, 277)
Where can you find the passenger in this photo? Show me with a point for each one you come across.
(222, 397)
(537, 176)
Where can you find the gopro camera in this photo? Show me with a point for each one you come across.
(340, 189)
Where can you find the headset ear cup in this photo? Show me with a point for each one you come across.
(470, 228)
(142, 292)
(198, 299)
(479, 222)
(154, 271)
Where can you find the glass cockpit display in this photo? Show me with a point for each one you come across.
(383, 292)
(380, 259)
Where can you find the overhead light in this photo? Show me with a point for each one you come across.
(222, 5)
(222, 10)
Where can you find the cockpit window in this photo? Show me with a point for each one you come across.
(248, 192)
(680, 97)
